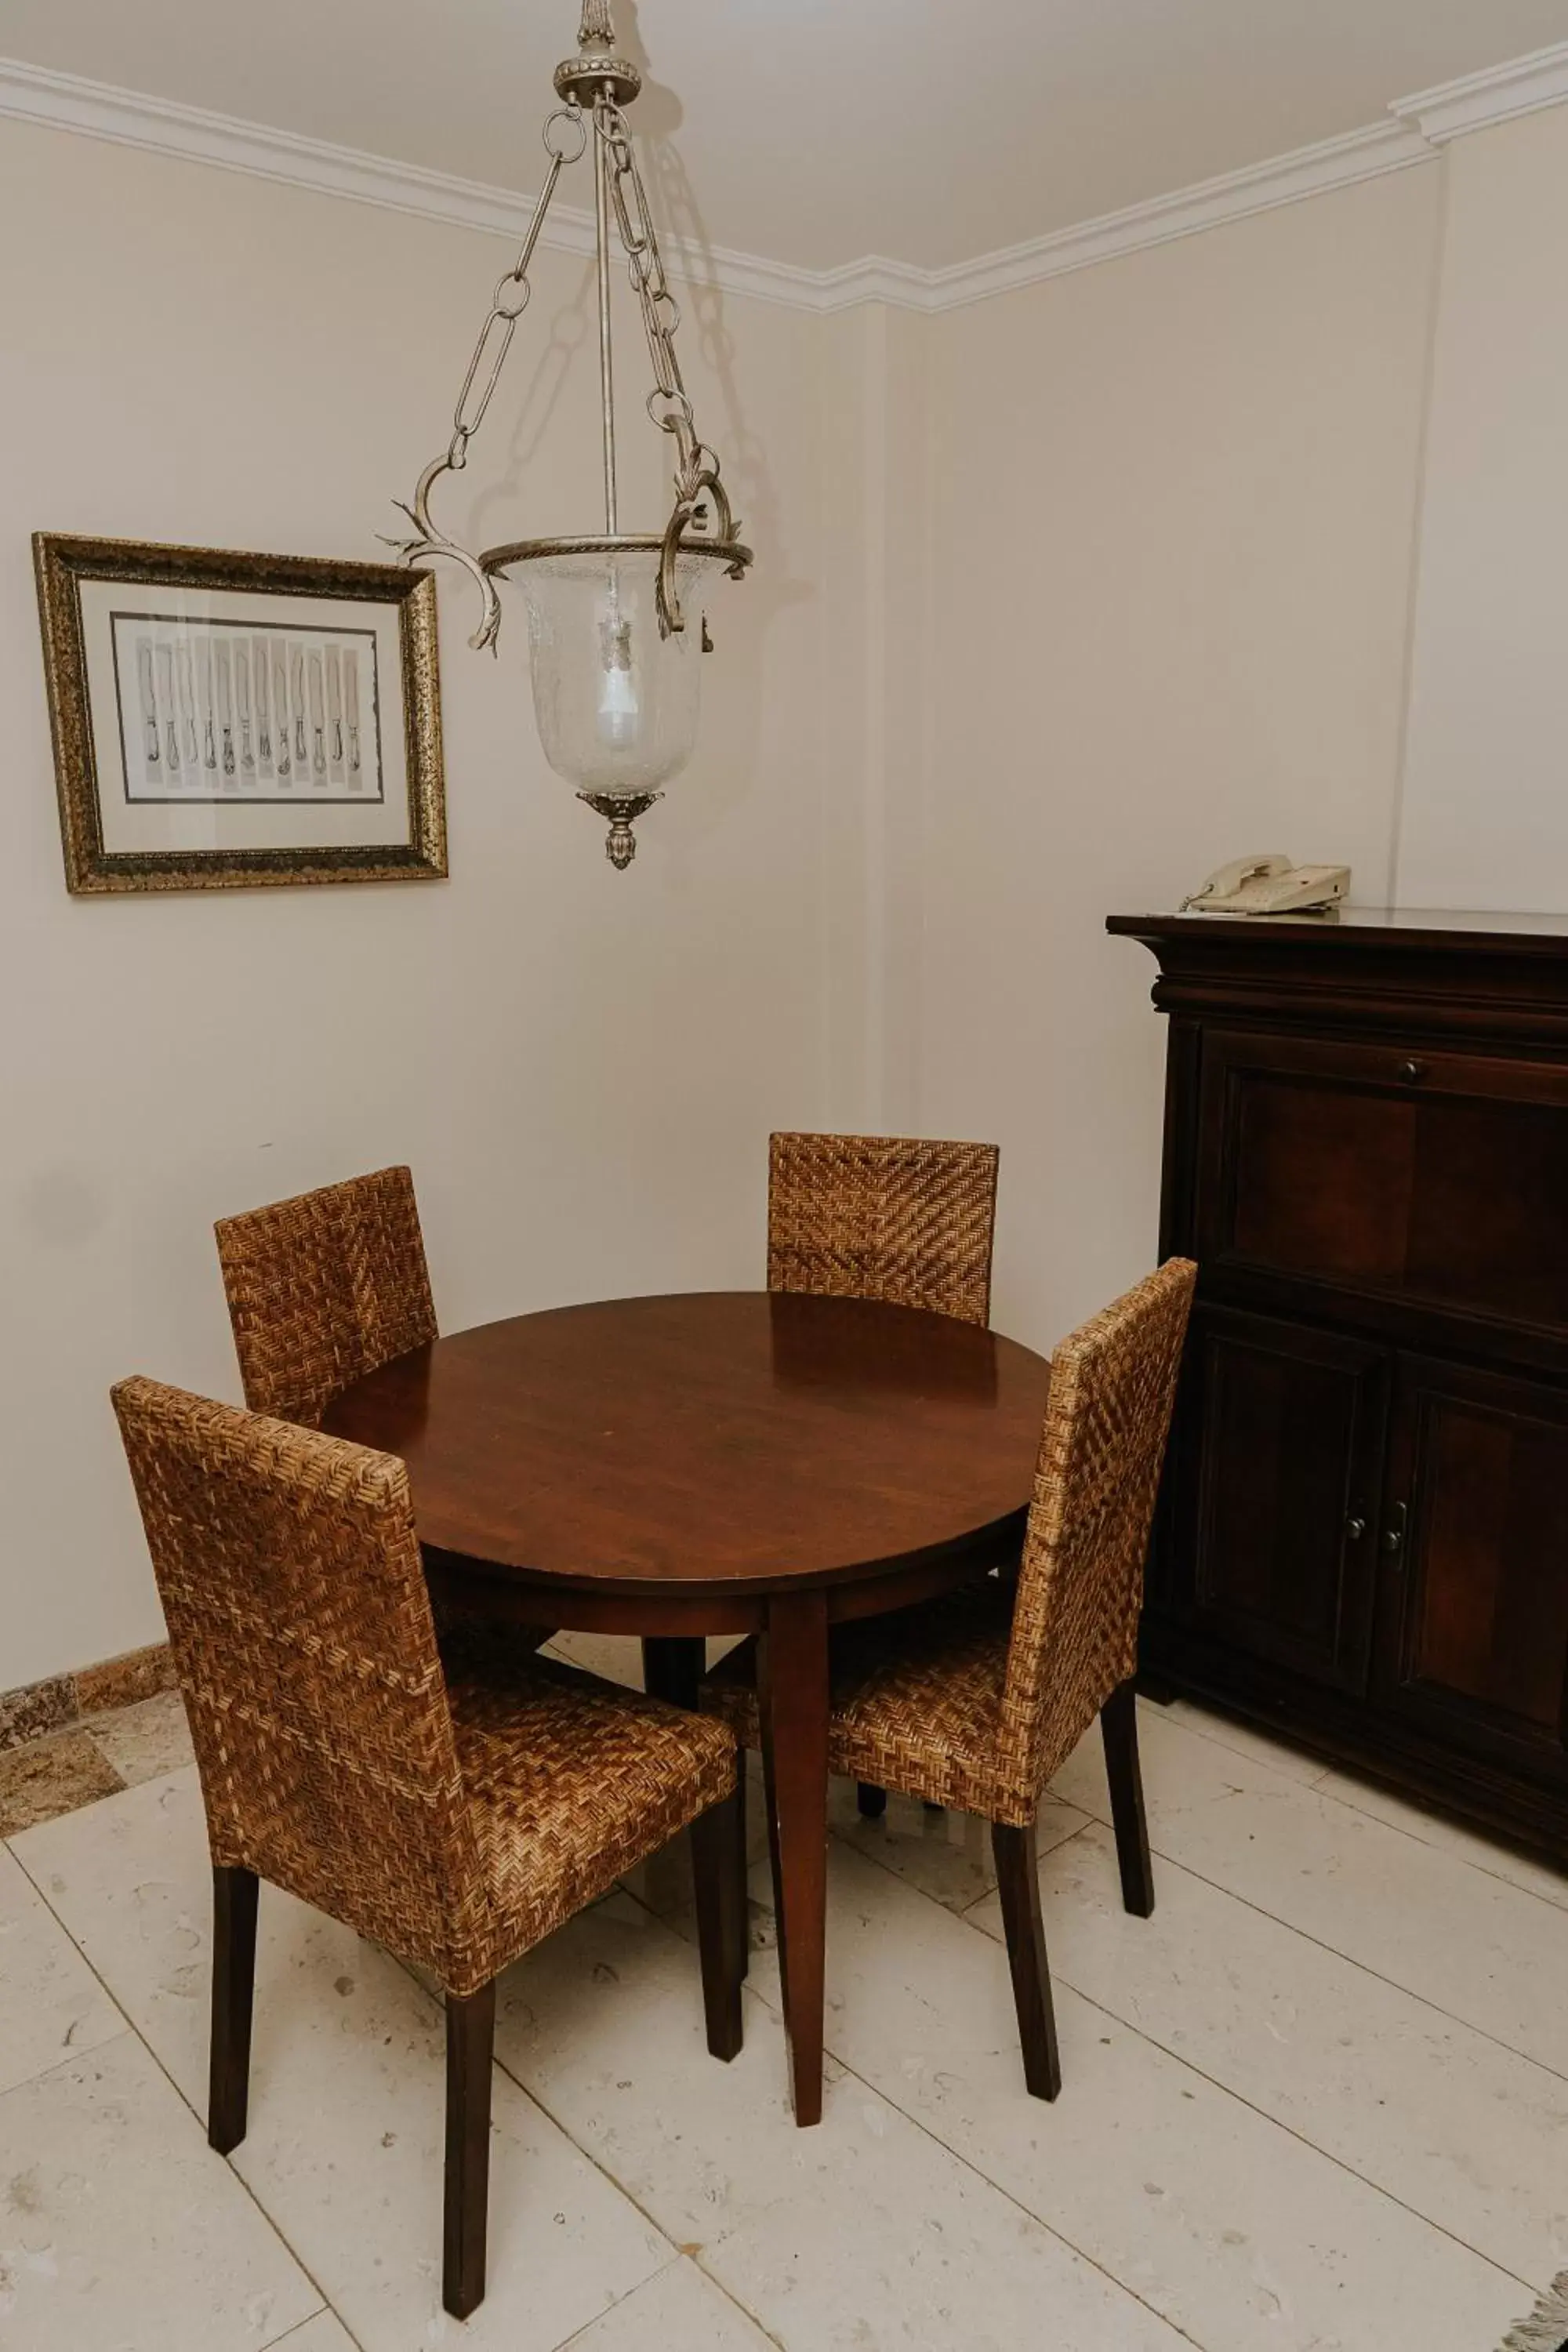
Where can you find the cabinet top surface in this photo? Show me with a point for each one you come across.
(1394, 926)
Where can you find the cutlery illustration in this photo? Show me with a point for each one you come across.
(187, 701)
(224, 667)
(317, 716)
(335, 703)
(204, 697)
(166, 704)
(280, 711)
(263, 703)
(351, 698)
(297, 697)
(151, 752)
(242, 708)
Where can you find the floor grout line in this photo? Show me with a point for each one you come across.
(1141, 2034)
(1094, 1820)
(967, 2164)
(1364, 1812)
(1174, 1862)
(133, 2029)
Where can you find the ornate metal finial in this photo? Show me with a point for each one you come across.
(596, 72)
(622, 810)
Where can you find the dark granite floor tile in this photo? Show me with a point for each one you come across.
(53, 1776)
(38, 1707)
(120, 1682)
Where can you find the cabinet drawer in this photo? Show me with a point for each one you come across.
(1440, 1178)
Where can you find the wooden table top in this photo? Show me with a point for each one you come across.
(742, 1441)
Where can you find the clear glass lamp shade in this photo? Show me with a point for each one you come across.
(616, 703)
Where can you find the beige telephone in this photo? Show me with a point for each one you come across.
(1270, 886)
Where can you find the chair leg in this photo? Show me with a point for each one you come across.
(718, 1872)
(233, 1986)
(1118, 1727)
(872, 1800)
(470, 2042)
(1018, 1884)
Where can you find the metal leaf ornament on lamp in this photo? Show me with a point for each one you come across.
(613, 660)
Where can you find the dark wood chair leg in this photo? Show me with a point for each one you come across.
(1118, 1727)
(792, 1691)
(234, 1987)
(872, 1800)
(1018, 1884)
(673, 1665)
(470, 2043)
(718, 1874)
(742, 1863)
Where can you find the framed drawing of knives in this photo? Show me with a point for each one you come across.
(192, 692)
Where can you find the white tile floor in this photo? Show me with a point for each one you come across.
(1318, 2104)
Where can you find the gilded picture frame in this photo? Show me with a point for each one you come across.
(223, 721)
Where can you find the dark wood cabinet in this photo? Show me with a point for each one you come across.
(1363, 1536)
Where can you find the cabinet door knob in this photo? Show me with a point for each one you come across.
(1412, 1072)
(1393, 1533)
(1355, 1527)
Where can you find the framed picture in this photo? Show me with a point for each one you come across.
(223, 719)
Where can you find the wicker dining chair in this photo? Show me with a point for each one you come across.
(883, 1216)
(892, 1217)
(455, 1820)
(975, 1700)
(324, 1289)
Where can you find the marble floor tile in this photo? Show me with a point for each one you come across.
(51, 2005)
(145, 1740)
(677, 2311)
(1225, 2222)
(1477, 1946)
(616, 1657)
(325, 2333)
(861, 2233)
(50, 1776)
(1441, 2117)
(945, 1854)
(345, 2142)
(1246, 1738)
(1532, 1872)
(120, 2230)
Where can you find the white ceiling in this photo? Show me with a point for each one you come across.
(816, 131)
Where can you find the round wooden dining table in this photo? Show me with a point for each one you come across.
(718, 1463)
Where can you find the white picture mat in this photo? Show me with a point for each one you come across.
(241, 821)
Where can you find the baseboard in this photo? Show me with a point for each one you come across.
(64, 1699)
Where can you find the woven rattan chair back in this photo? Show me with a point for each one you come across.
(1080, 1584)
(883, 1216)
(323, 1290)
(290, 1578)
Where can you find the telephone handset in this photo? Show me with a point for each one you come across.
(1271, 885)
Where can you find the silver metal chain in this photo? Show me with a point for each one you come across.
(669, 403)
(701, 503)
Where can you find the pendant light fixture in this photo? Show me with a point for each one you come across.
(612, 645)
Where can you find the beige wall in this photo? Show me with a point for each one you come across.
(1486, 802)
(1062, 599)
(1175, 511)
(580, 1067)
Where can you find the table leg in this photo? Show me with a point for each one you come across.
(792, 1690)
(673, 1665)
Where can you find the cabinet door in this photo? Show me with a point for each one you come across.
(1430, 1177)
(1473, 1612)
(1277, 1472)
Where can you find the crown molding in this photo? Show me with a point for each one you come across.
(161, 126)
(1496, 95)
(1416, 128)
(1234, 196)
